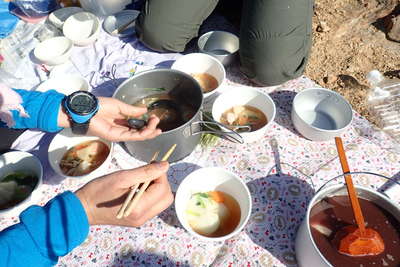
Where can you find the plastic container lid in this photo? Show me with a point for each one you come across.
(374, 77)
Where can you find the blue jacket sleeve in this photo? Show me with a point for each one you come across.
(42, 109)
(45, 233)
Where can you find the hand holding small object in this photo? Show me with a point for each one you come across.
(103, 197)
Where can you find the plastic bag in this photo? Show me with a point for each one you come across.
(8, 22)
(33, 8)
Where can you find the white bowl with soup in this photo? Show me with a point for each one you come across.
(245, 106)
(205, 69)
(78, 156)
(21, 175)
(213, 204)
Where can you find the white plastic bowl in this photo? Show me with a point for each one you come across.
(210, 179)
(23, 162)
(246, 96)
(65, 140)
(320, 114)
(59, 16)
(82, 28)
(202, 63)
(65, 84)
(53, 51)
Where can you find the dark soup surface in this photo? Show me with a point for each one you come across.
(16, 187)
(333, 213)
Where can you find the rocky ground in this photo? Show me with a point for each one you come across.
(350, 38)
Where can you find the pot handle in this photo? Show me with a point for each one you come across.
(392, 186)
(228, 134)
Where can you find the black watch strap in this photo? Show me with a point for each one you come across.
(79, 128)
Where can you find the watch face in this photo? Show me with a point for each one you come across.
(82, 103)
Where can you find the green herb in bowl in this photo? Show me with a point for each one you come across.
(16, 187)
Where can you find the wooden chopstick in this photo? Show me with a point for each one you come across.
(143, 188)
(132, 192)
(123, 27)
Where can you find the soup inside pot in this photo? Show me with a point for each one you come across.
(333, 213)
(171, 113)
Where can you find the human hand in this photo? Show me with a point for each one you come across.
(110, 122)
(103, 197)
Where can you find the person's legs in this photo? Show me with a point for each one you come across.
(168, 25)
(275, 39)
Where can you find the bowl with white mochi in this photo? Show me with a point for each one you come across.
(213, 204)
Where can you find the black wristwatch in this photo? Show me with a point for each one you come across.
(80, 106)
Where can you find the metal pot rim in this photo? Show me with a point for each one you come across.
(187, 123)
(324, 191)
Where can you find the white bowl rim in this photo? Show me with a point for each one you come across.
(51, 162)
(235, 231)
(95, 29)
(39, 182)
(52, 39)
(69, 10)
(267, 96)
(220, 65)
(59, 78)
(327, 90)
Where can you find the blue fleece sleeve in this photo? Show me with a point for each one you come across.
(45, 233)
(42, 109)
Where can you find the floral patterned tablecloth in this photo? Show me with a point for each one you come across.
(279, 199)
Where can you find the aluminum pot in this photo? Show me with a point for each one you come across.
(307, 253)
(185, 89)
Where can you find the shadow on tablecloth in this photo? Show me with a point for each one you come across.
(283, 102)
(280, 203)
(176, 173)
(142, 259)
(279, 206)
(107, 88)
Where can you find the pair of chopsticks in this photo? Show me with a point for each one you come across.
(129, 203)
(123, 27)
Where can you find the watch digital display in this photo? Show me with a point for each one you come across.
(82, 103)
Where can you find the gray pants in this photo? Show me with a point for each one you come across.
(275, 35)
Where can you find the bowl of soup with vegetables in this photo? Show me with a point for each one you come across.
(79, 156)
(246, 110)
(20, 177)
(213, 204)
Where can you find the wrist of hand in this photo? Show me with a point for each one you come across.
(81, 195)
(63, 118)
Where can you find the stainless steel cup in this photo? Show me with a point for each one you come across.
(222, 45)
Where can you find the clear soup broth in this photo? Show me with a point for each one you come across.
(84, 158)
(213, 214)
(244, 115)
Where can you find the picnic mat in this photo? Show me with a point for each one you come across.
(279, 199)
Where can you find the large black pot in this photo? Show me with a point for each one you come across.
(186, 90)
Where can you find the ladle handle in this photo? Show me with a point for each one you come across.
(355, 204)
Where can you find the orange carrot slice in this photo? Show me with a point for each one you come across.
(217, 196)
